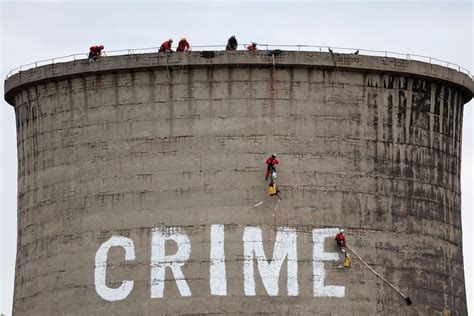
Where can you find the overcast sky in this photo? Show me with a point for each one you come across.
(36, 30)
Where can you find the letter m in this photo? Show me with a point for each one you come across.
(285, 246)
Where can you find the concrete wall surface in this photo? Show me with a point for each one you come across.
(138, 177)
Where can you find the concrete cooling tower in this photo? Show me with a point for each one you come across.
(141, 185)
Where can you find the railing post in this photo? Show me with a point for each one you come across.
(385, 54)
(299, 47)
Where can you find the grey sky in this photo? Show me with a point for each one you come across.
(41, 30)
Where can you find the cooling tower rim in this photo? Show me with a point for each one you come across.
(321, 60)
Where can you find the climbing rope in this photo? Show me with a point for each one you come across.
(272, 104)
(181, 71)
(407, 299)
(274, 214)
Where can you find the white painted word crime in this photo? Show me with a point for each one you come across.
(285, 248)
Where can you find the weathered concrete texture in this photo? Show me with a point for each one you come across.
(126, 144)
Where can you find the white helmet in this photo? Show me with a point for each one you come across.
(341, 231)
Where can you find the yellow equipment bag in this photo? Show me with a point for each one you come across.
(272, 190)
(347, 262)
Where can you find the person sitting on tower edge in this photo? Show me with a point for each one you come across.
(183, 45)
(166, 46)
(94, 52)
(252, 47)
(232, 43)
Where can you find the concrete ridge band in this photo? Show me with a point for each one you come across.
(323, 60)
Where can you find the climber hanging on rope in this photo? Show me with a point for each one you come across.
(271, 162)
(183, 45)
(341, 242)
(166, 46)
(341, 239)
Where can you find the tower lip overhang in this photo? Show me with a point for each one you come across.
(318, 60)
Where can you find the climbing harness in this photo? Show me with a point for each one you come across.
(407, 299)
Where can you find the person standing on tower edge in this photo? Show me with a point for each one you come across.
(166, 46)
(271, 162)
(232, 43)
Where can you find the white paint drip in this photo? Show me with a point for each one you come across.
(217, 280)
(100, 271)
(285, 246)
(319, 256)
(160, 261)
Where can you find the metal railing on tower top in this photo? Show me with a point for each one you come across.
(337, 50)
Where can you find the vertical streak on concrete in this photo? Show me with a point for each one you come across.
(217, 280)
(192, 112)
(459, 133)
(443, 95)
(453, 129)
(363, 108)
(431, 112)
(39, 129)
(154, 106)
(210, 94)
(171, 116)
(229, 82)
(408, 136)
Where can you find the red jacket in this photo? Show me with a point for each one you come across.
(95, 49)
(341, 238)
(251, 47)
(272, 161)
(183, 46)
(165, 47)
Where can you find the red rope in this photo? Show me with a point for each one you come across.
(272, 104)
